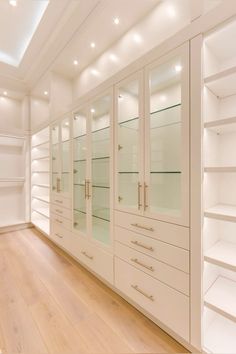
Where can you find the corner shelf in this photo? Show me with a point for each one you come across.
(221, 298)
(222, 126)
(222, 254)
(222, 84)
(222, 212)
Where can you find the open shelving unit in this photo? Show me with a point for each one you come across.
(40, 180)
(219, 191)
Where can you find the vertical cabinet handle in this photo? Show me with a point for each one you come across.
(85, 189)
(139, 195)
(58, 185)
(88, 189)
(145, 196)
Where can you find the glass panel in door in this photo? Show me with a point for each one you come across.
(79, 172)
(65, 155)
(55, 159)
(128, 149)
(100, 135)
(165, 138)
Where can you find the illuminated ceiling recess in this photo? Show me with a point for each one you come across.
(17, 27)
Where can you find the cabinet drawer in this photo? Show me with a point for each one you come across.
(60, 235)
(170, 233)
(164, 252)
(162, 302)
(98, 260)
(60, 221)
(161, 271)
(59, 200)
(63, 212)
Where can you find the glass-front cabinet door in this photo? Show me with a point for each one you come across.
(80, 171)
(61, 160)
(129, 144)
(100, 111)
(167, 138)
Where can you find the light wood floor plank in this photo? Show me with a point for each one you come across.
(73, 309)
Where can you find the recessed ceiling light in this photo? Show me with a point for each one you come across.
(116, 21)
(171, 12)
(94, 72)
(5, 93)
(13, 2)
(178, 68)
(92, 45)
(92, 110)
(76, 62)
(113, 58)
(137, 38)
(45, 93)
(66, 124)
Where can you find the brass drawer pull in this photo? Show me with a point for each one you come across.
(149, 248)
(86, 255)
(60, 222)
(135, 260)
(139, 196)
(143, 227)
(135, 287)
(88, 189)
(59, 201)
(145, 196)
(58, 235)
(59, 211)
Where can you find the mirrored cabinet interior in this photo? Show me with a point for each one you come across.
(61, 160)
(40, 179)
(219, 190)
(152, 146)
(92, 170)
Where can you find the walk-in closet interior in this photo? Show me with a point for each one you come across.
(117, 176)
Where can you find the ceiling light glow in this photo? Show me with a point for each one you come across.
(76, 62)
(137, 38)
(113, 58)
(178, 68)
(94, 72)
(92, 45)
(92, 110)
(171, 12)
(5, 93)
(45, 93)
(13, 2)
(116, 21)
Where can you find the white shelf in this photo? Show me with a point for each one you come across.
(41, 198)
(42, 225)
(42, 211)
(220, 336)
(222, 84)
(41, 185)
(222, 212)
(221, 298)
(41, 158)
(43, 145)
(221, 126)
(220, 169)
(222, 254)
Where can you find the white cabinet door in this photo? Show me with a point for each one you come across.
(129, 134)
(166, 186)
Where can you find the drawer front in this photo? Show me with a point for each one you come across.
(162, 302)
(61, 201)
(63, 212)
(161, 271)
(60, 221)
(170, 233)
(164, 252)
(98, 260)
(60, 235)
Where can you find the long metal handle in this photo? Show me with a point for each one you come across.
(87, 255)
(145, 196)
(143, 227)
(85, 189)
(58, 235)
(149, 248)
(139, 195)
(58, 185)
(88, 190)
(135, 260)
(135, 287)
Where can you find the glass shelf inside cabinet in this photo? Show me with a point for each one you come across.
(101, 169)
(128, 149)
(79, 171)
(165, 138)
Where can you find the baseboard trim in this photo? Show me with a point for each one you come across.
(17, 227)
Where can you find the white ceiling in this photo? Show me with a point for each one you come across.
(17, 27)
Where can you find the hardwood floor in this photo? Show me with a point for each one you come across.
(49, 304)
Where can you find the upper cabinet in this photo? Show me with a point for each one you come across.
(92, 169)
(61, 157)
(152, 140)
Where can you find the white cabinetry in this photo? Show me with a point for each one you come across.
(219, 191)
